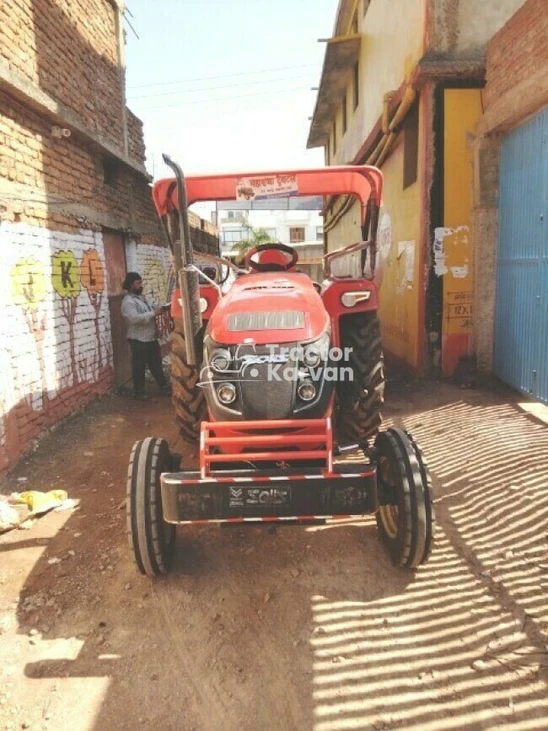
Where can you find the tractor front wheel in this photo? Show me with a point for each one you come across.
(405, 517)
(150, 538)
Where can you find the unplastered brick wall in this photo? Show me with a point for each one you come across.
(56, 350)
(136, 140)
(517, 50)
(69, 49)
(204, 235)
(43, 178)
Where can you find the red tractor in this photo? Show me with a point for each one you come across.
(275, 379)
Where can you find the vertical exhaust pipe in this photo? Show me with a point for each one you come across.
(187, 274)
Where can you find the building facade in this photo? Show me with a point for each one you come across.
(288, 227)
(510, 180)
(75, 212)
(401, 88)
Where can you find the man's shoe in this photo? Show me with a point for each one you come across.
(165, 390)
(141, 397)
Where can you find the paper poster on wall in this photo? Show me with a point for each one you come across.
(266, 186)
(406, 257)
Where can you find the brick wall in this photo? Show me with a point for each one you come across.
(69, 49)
(135, 134)
(517, 50)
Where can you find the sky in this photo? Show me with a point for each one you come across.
(225, 85)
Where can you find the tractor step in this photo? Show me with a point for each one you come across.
(259, 496)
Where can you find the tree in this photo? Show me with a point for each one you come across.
(255, 237)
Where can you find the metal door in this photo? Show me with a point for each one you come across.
(521, 323)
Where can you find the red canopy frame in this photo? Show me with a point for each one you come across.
(362, 181)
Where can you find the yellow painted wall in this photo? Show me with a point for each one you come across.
(462, 111)
(400, 254)
(398, 263)
(392, 44)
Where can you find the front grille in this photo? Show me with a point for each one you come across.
(262, 398)
(284, 320)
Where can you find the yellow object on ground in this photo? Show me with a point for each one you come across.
(41, 502)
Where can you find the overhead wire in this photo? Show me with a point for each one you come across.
(220, 99)
(221, 76)
(224, 86)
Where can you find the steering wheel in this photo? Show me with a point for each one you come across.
(271, 266)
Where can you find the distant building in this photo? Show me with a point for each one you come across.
(287, 227)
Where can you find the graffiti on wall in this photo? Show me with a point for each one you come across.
(92, 276)
(66, 282)
(159, 285)
(55, 330)
(28, 290)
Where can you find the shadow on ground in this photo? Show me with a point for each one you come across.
(297, 628)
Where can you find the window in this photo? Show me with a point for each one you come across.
(354, 26)
(233, 236)
(356, 85)
(344, 115)
(319, 233)
(411, 146)
(111, 170)
(296, 234)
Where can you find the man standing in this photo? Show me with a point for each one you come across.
(140, 316)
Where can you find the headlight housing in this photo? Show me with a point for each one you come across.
(351, 299)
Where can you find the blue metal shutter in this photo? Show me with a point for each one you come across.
(521, 324)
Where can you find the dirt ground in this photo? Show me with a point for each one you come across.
(286, 628)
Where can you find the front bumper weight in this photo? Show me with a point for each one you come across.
(249, 495)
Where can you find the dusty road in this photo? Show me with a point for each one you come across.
(288, 629)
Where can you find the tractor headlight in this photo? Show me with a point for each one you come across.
(204, 304)
(306, 391)
(351, 299)
(312, 357)
(226, 393)
(220, 360)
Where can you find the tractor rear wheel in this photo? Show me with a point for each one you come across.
(405, 517)
(151, 539)
(360, 400)
(188, 396)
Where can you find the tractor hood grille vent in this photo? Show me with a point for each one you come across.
(284, 320)
(269, 286)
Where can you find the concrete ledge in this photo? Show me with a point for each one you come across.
(441, 67)
(19, 88)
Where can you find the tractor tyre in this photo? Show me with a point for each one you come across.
(361, 399)
(150, 538)
(405, 517)
(188, 396)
